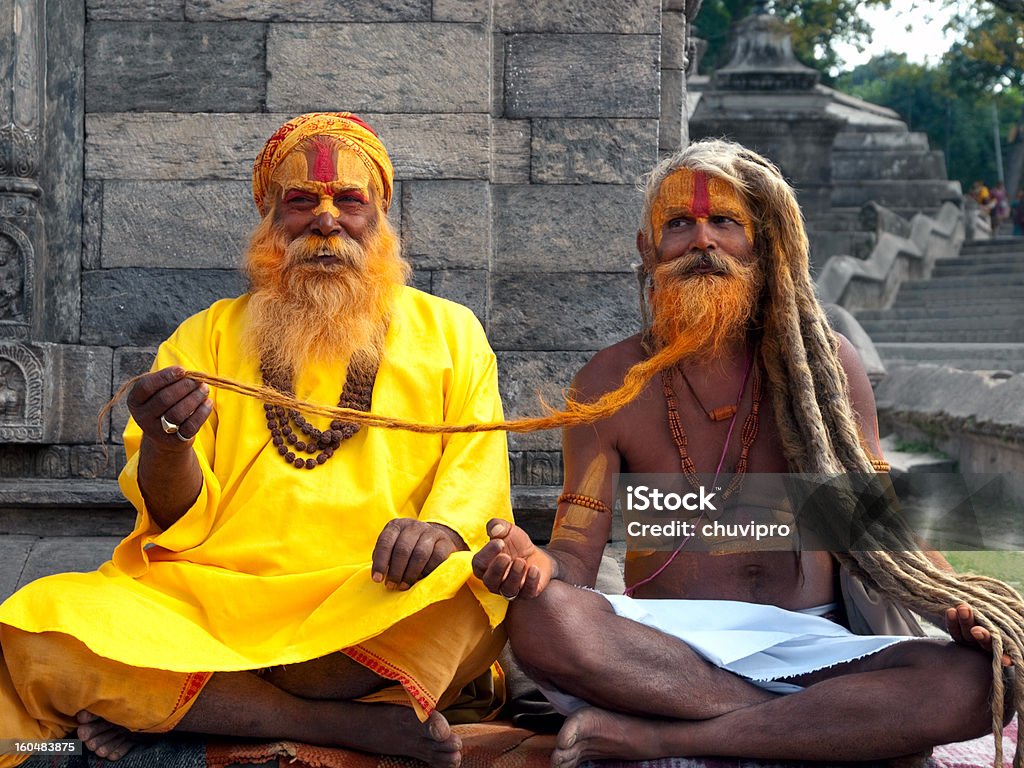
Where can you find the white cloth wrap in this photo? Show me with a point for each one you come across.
(761, 643)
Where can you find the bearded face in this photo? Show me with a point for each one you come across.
(705, 281)
(323, 264)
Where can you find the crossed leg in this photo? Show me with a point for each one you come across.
(653, 696)
(310, 702)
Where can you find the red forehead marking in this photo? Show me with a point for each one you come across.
(323, 165)
(701, 200)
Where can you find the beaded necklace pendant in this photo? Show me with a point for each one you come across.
(293, 435)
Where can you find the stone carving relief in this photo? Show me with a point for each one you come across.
(11, 282)
(536, 467)
(21, 394)
(15, 281)
(18, 154)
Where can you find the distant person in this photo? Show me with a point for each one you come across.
(1017, 214)
(1000, 206)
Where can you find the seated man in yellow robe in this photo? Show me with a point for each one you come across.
(288, 578)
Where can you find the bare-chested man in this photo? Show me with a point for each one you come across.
(738, 371)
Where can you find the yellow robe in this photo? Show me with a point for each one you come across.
(271, 565)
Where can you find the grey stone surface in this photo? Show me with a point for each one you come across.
(84, 375)
(510, 151)
(499, 43)
(891, 164)
(534, 468)
(594, 150)
(379, 74)
(309, 10)
(50, 461)
(672, 129)
(567, 311)
(897, 139)
(181, 224)
(128, 362)
(143, 306)
(90, 462)
(174, 146)
(14, 553)
(953, 401)
(135, 10)
(421, 279)
(186, 67)
(577, 16)
(673, 40)
(560, 228)
(465, 286)
(555, 75)
(60, 289)
(448, 224)
(524, 378)
(461, 10)
(92, 224)
(65, 554)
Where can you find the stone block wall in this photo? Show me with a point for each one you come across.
(517, 128)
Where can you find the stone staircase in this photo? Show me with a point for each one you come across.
(968, 315)
(884, 163)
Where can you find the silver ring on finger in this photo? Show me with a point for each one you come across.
(169, 426)
(510, 599)
(183, 438)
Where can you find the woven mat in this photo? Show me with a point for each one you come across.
(497, 745)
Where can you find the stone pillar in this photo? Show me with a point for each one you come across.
(22, 49)
(21, 232)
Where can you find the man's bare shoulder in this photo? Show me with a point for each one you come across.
(606, 369)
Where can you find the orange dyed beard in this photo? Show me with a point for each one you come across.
(700, 315)
(304, 312)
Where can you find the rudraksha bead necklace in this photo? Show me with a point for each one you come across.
(747, 434)
(357, 394)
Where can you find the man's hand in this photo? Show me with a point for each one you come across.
(407, 550)
(964, 630)
(181, 402)
(510, 564)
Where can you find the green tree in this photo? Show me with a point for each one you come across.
(990, 62)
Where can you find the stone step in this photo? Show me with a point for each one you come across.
(968, 357)
(75, 507)
(534, 507)
(1011, 294)
(1004, 253)
(1015, 336)
(965, 268)
(963, 282)
(1014, 244)
(926, 193)
(887, 164)
(995, 323)
(965, 310)
(859, 140)
(27, 558)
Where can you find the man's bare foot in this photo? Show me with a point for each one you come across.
(104, 739)
(432, 742)
(597, 734)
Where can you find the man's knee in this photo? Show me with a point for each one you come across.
(546, 633)
(966, 687)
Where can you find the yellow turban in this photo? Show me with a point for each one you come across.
(346, 127)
